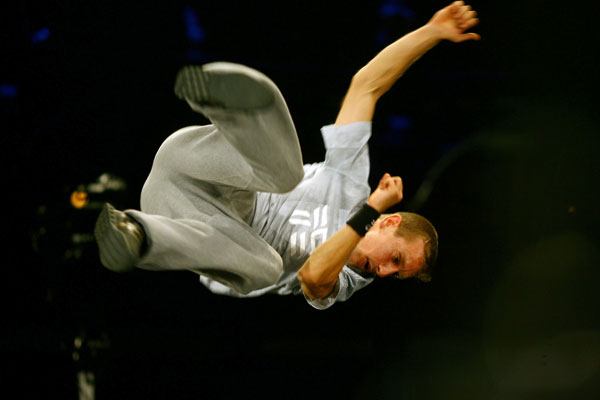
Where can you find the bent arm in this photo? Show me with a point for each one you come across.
(380, 74)
(319, 274)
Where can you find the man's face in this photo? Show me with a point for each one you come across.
(383, 253)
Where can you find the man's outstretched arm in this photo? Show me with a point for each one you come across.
(319, 274)
(379, 75)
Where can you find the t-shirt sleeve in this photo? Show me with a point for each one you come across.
(347, 149)
(348, 282)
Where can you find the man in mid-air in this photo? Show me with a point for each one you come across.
(232, 201)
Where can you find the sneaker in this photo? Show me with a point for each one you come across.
(119, 239)
(224, 85)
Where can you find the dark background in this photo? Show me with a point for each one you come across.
(496, 142)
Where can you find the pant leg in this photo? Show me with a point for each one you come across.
(199, 196)
(203, 226)
(218, 247)
(264, 136)
(197, 170)
(252, 145)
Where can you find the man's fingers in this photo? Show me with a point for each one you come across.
(457, 18)
(469, 36)
(383, 182)
(464, 11)
(466, 19)
(398, 182)
(389, 182)
(384, 178)
(469, 22)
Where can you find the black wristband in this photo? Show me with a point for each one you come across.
(364, 219)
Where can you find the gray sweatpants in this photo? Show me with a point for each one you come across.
(198, 201)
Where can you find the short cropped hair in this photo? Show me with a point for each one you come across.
(413, 226)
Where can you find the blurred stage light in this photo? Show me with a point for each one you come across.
(541, 332)
(40, 36)
(72, 239)
(194, 31)
(94, 195)
(399, 122)
(392, 8)
(79, 199)
(8, 91)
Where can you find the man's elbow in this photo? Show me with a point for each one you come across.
(314, 286)
(365, 84)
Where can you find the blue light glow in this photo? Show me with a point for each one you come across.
(193, 29)
(399, 122)
(391, 8)
(40, 36)
(8, 91)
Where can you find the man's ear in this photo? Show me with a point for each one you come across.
(391, 220)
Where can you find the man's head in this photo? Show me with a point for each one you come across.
(401, 244)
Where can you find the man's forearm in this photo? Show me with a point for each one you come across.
(380, 74)
(319, 273)
(389, 65)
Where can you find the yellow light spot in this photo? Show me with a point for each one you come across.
(79, 199)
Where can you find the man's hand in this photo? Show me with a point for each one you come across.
(451, 22)
(320, 271)
(378, 76)
(387, 194)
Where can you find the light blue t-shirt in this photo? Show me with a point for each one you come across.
(295, 223)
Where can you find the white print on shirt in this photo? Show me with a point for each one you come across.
(298, 242)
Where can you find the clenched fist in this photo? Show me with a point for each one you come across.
(387, 194)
